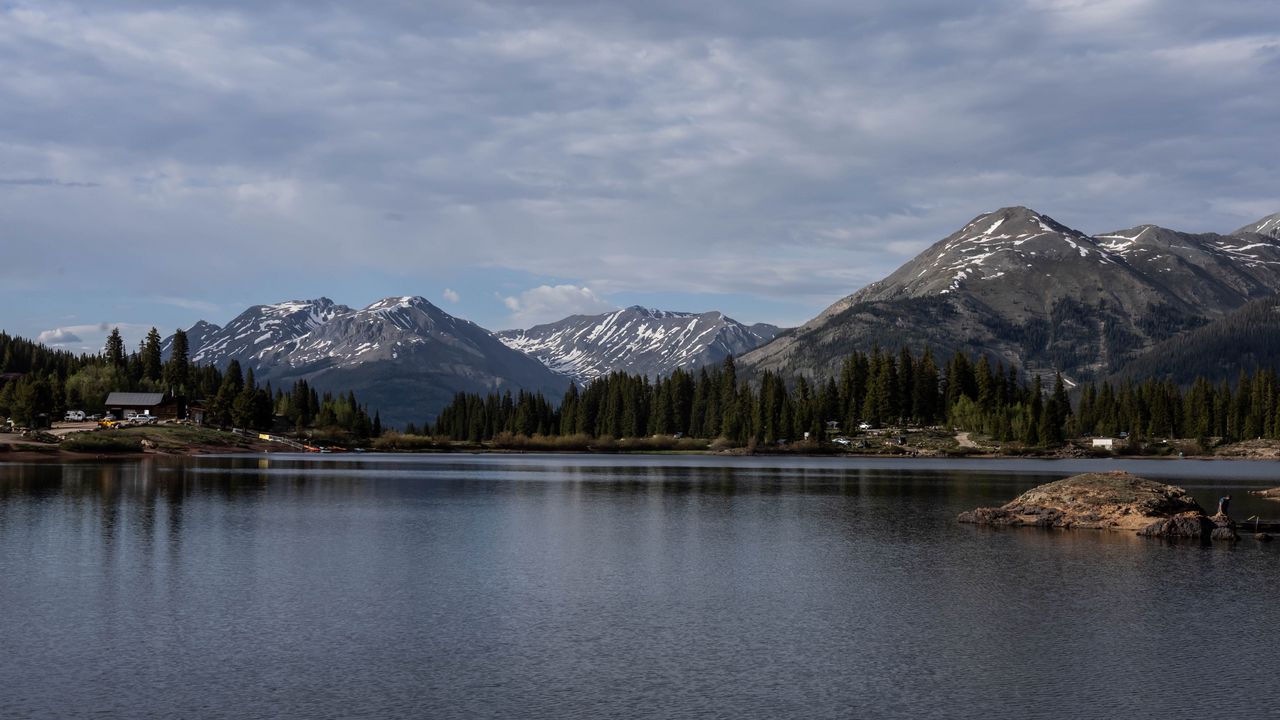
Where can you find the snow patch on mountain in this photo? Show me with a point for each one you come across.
(636, 340)
(992, 243)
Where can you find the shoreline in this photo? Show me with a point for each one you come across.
(186, 440)
(10, 452)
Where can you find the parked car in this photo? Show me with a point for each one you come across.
(144, 419)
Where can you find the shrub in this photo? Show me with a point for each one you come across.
(722, 443)
(409, 443)
(102, 442)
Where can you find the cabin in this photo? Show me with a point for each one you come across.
(126, 404)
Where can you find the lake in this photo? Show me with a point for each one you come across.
(543, 586)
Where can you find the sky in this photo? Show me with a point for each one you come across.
(517, 162)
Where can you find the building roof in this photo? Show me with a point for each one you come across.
(134, 399)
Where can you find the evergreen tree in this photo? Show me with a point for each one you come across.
(176, 373)
(150, 356)
(114, 350)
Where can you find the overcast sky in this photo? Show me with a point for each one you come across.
(515, 162)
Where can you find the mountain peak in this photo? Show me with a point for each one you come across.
(1016, 220)
(399, 301)
(637, 340)
(1269, 225)
(652, 312)
(296, 305)
(1016, 211)
(1015, 284)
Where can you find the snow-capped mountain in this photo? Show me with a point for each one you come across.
(259, 328)
(1220, 270)
(636, 340)
(198, 336)
(1268, 226)
(1017, 285)
(402, 355)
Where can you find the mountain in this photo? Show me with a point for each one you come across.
(1251, 332)
(256, 329)
(1220, 270)
(636, 340)
(403, 356)
(1268, 226)
(1018, 286)
(198, 336)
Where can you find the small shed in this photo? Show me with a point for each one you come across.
(119, 403)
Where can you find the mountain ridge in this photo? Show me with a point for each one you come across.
(638, 340)
(401, 354)
(1019, 286)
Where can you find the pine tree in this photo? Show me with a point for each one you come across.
(177, 370)
(150, 356)
(114, 350)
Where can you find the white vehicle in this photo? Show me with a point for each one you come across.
(74, 416)
(143, 419)
(130, 414)
(864, 426)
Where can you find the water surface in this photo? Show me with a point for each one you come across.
(588, 586)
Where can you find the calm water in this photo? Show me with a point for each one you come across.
(583, 587)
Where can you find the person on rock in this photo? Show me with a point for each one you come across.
(1222, 504)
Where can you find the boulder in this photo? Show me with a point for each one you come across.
(1191, 524)
(1224, 528)
(1116, 500)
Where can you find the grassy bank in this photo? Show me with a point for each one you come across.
(172, 439)
(102, 442)
(397, 442)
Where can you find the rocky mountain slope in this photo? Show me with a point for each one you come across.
(1021, 287)
(402, 355)
(636, 340)
(1268, 226)
(1246, 339)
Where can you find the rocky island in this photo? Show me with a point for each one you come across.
(1109, 501)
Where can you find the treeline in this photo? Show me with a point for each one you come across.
(877, 389)
(1163, 409)
(38, 381)
(302, 407)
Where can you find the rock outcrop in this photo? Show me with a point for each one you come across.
(1193, 525)
(1115, 501)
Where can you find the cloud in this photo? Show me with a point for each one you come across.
(46, 182)
(92, 338)
(776, 150)
(58, 336)
(451, 295)
(548, 303)
(188, 303)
